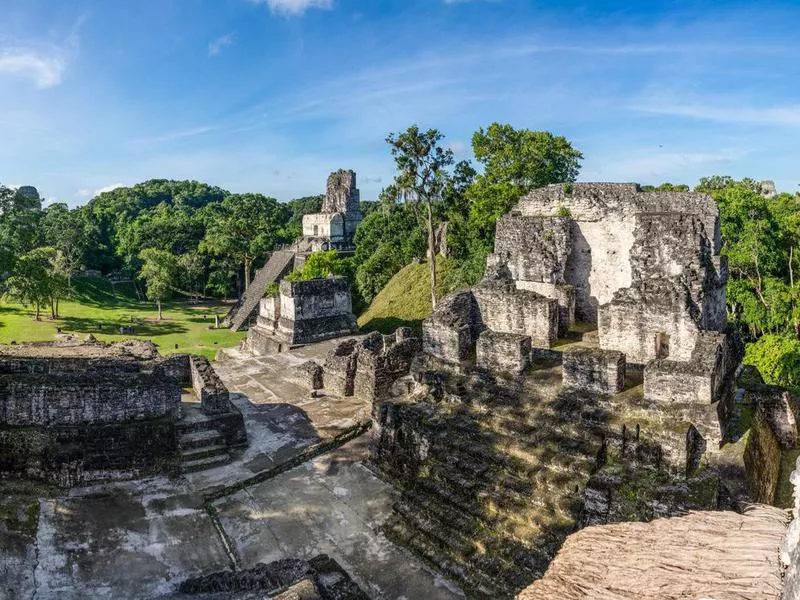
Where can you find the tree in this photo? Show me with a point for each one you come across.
(34, 281)
(319, 265)
(421, 164)
(158, 271)
(245, 227)
(515, 161)
(65, 230)
(19, 228)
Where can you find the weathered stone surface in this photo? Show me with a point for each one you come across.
(790, 545)
(310, 373)
(701, 555)
(334, 227)
(304, 312)
(208, 387)
(507, 352)
(772, 439)
(593, 369)
(505, 309)
(340, 368)
(449, 333)
(534, 248)
(379, 365)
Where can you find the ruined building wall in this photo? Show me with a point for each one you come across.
(340, 215)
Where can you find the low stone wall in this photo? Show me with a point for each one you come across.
(208, 387)
(315, 310)
(593, 369)
(772, 444)
(505, 309)
(507, 352)
(449, 333)
(790, 546)
(380, 364)
(177, 368)
(81, 454)
(340, 368)
(75, 399)
(310, 374)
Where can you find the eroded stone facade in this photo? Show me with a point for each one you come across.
(334, 227)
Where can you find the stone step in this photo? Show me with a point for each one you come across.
(199, 439)
(195, 426)
(201, 464)
(192, 454)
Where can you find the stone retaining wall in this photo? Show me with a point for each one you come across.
(208, 387)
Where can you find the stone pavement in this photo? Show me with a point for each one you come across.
(139, 539)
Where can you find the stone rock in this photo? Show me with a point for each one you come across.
(593, 369)
(508, 352)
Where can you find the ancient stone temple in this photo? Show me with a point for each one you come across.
(589, 378)
(331, 229)
(334, 227)
(302, 312)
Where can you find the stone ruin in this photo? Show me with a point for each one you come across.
(302, 312)
(589, 378)
(332, 229)
(335, 226)
(76, 411)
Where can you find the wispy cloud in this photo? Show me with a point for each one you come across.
(176, 135)
(711, 110)
(44, 70)
(217, 45)
(294, 7)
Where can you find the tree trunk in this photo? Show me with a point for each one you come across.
(57, 308)
(432, 253)
(53, 309)
(248, 263)
(38, 312)
(160, 314)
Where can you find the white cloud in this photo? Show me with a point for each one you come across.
(88, 193)
(43, 70)
(294, 7)
(216, 46)
(788, 115)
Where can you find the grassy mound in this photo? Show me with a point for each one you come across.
(406, 299)
(101, 308)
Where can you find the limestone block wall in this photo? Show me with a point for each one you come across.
(208, 387)
(633, 324)
(790, 545)
(315, 310)
(508, 310)
(772, 440)
(449, 333)
(73, 399)
(507, 352)
(379, 365)
(561, 293)
(534, 248)
(340, 368)
(592, 369)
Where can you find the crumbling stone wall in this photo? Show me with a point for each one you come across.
(450, 332)
(303, 312)
(593, 369)
(773, 438)
(504, 352)
(790, 545)
(367, 368)
(208, 387)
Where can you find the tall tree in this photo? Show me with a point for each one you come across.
(245, 227)
(421, 164)
(515, 161)
(65, 230)
(34, 280)
(158, 271)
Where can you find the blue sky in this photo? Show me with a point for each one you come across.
(270, 96)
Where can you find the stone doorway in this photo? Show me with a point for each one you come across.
(662, 345)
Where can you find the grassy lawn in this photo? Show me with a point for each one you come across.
(406, 299)
(100, 309)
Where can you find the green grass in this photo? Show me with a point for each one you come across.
(406, 300)
(100, 308)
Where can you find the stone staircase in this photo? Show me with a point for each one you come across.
(202, 447)
(279, 264)
(492, 485)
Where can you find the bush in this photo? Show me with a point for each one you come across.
(777, 357)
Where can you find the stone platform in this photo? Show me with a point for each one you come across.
(296, 491)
